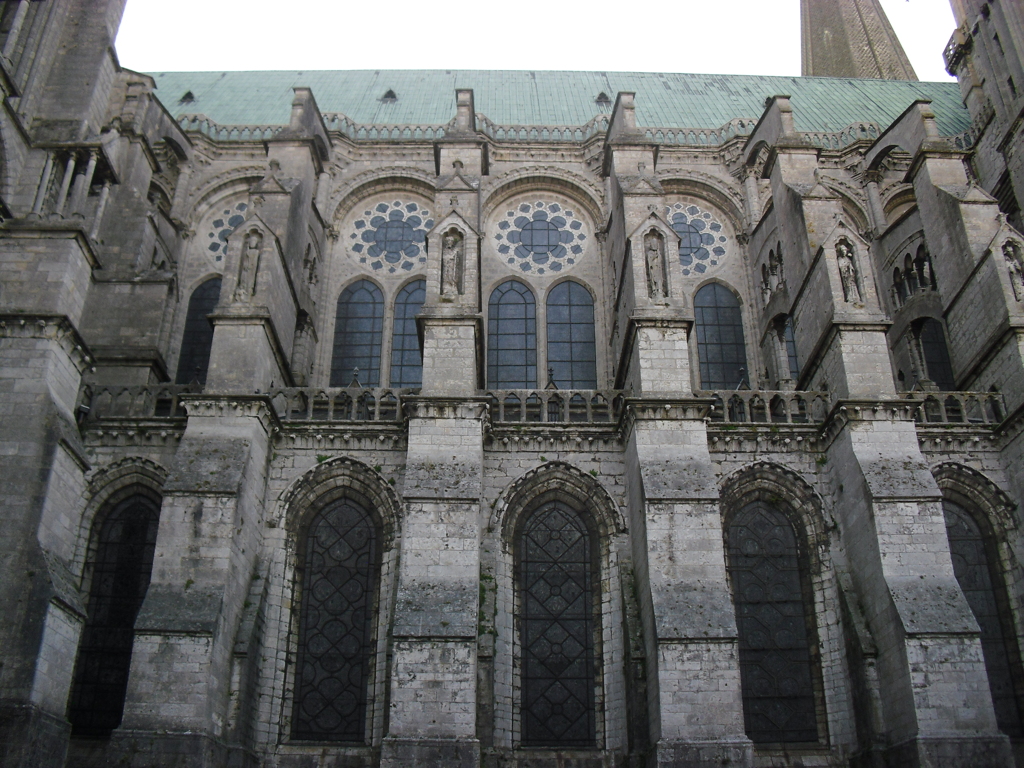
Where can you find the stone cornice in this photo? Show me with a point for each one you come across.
(54, 327)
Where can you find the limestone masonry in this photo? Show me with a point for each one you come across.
(472, 418)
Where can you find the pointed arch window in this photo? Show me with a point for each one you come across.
(794, 361)
(358, 331)
(406, 362)
(556, 574)
(721, 348)
(194, 360)
(512, 337)
(985, 590)
(572, 353)
(123, 565)
(775, 635)
(339, 575)
(936, 354)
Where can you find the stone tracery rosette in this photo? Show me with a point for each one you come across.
(541, 237)
(221, 228)
(702, 237)
(390, 236)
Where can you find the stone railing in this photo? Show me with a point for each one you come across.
(204, 125)
(336, 121)
(567, 133)
(958, 407)
(740, 126)
(844, 137)
(554, 406)
(299, 404)
(767, 407)
(159, 401)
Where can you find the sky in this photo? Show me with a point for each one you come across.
(724, 37)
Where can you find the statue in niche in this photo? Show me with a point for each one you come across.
(451, 263)
(775, 277)
(847, 271)
(249, 267)
(766, 284)
(1011, 252)
(310, 265)
(654, 254)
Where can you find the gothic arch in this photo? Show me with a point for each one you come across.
(544, 179)
(970, 488)
(332, 480)
(788, 492)
(718, 192)
(110, 485)
(211, 190)
(390, 179)
(555, 480)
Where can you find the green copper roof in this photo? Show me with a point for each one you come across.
(552, 98)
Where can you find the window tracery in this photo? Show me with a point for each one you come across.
(721, 348)
(358, 332)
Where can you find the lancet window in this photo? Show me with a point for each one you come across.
(120, 571)
(358, 332)
(512, 337)
(557, 576)
(770, 585)
(338, 574)
(720, 345)
(406, 363)
(572, 354)
(194, 360)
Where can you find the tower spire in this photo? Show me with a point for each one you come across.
(851, 38)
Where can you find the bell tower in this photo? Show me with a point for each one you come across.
(850, 38)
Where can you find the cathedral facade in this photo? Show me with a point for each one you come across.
(472, 418)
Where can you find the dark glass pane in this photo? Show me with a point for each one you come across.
(335, 626)
(406, 365)
(979, 583)
(936, 355)
(555, 562)
(794, 362)
(194, 360)
(720, 345)
(511, 337)
(571, 317)
(358, 329)
(120, 578)
(775, 654)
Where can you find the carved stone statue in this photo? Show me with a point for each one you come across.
(766, 283)
(847, 271)
(451, 263)
(249, 267)
(654, 255)
(1011, 252)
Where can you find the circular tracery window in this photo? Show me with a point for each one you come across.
(702, 239)
(541, 237)
(391, 235)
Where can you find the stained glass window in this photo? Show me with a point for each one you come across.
(702, 239)
(983, 587)
(339, 577)
(571, 349)
(936, 355)
(512, 337)
(720, 346)
(391, 235)
(120, 578)
(772, 618)
(555, 554)
(406, 364)
(358, 330)
(794, 361)
(194, 360)
(541, 237)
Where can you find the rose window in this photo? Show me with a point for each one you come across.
(392, 236)
(541, 237)
(702, 241)
(222, 227)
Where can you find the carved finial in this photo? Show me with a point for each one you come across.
(551, 379)
(355, 378)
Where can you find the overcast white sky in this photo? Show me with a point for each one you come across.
(723, 37)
